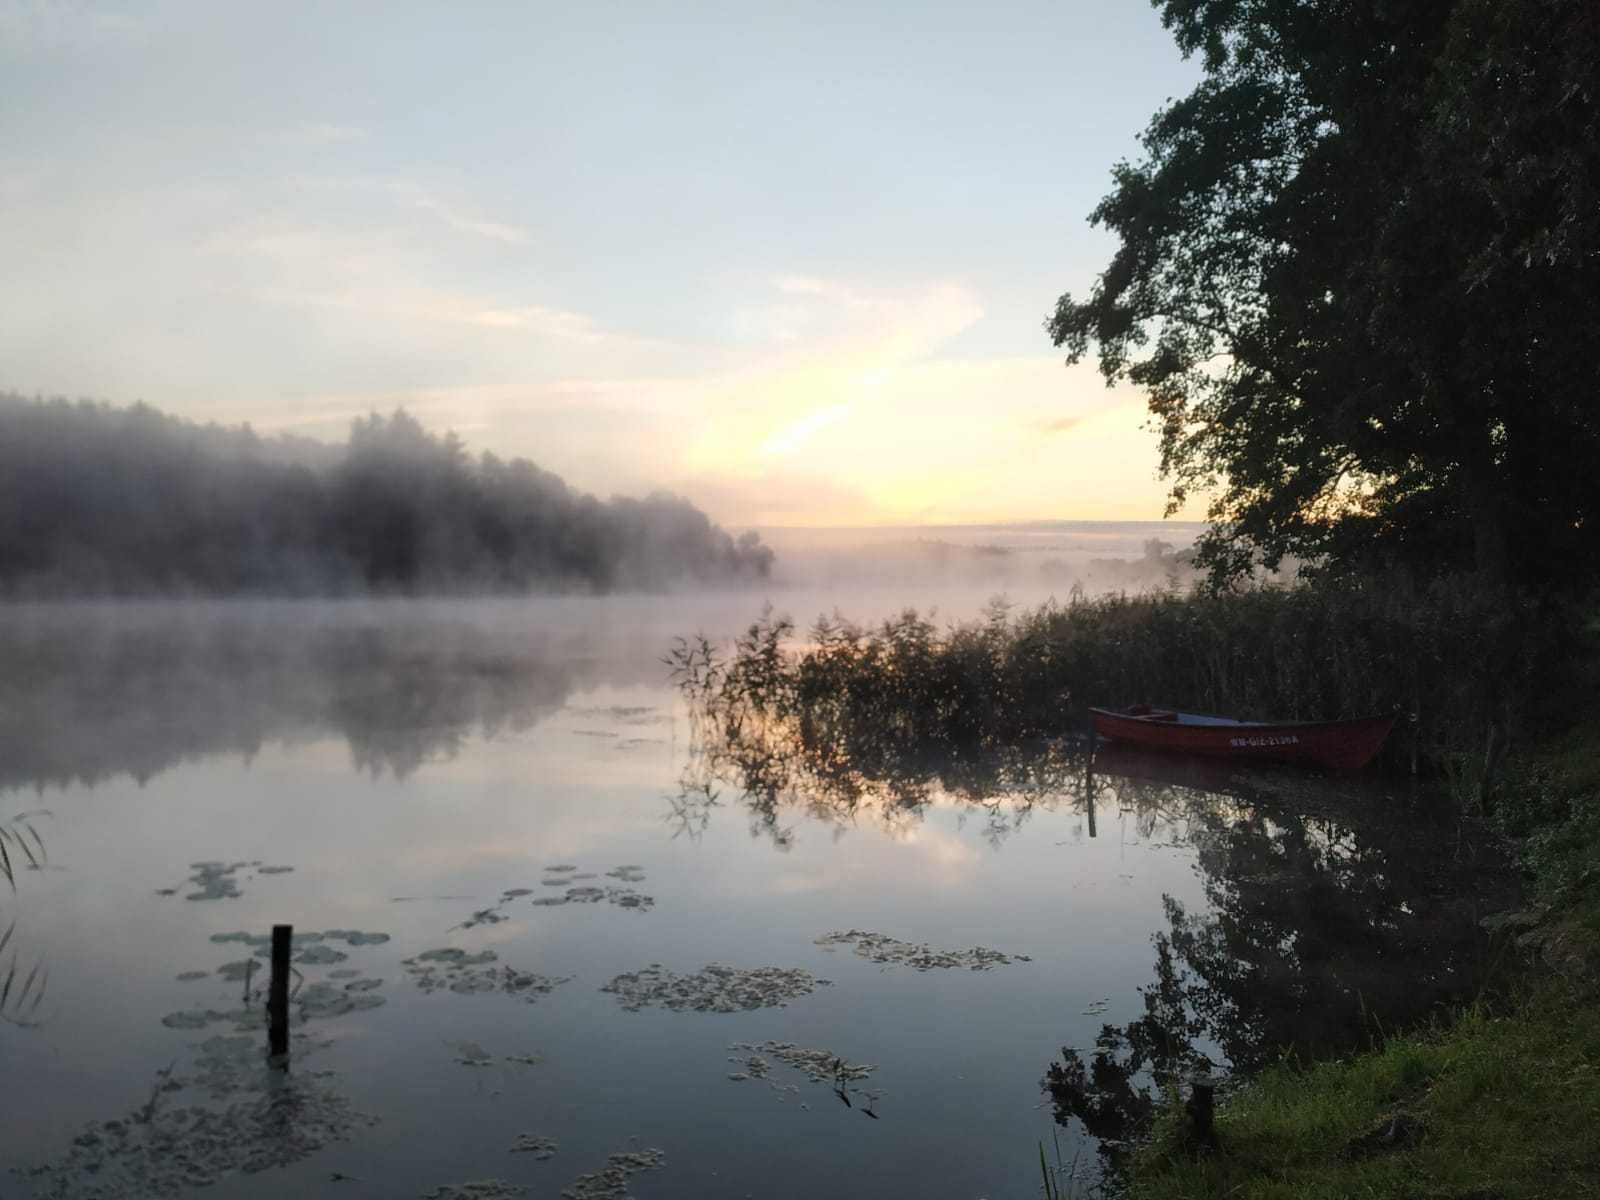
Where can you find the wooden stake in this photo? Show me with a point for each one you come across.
(278, 993)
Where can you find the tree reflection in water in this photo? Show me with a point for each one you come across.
(1331, 916)
(1332, 920)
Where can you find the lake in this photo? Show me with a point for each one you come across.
(560, 946)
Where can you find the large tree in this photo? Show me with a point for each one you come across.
(1359, 281)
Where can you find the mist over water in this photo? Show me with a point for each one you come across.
(494, 810)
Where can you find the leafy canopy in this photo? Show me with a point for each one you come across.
(1359, 282)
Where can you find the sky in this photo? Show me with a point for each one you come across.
(790, 260)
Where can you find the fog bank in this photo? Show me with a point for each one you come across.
(104, 501)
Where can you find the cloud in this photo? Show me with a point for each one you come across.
(459, 217)
(793, 436)
(1049, 426)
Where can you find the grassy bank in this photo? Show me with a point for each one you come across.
(1498, 1106)
(1503, 1103)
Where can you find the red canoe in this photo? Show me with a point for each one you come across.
(1342, 744)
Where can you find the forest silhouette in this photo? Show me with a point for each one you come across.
(107, 501)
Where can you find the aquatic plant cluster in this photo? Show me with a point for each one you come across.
(450, 968)
(1462, 664)
(225, 1111)
(567, 877)
(214, 880)
(168, 1146)
(880, 948)
(713, 988)
(818, 1066)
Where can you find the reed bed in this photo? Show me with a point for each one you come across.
(1467, 670)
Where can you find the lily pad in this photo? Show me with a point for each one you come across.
(713, 988)
(881, 948)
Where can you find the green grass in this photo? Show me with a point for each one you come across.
(1508, 1106)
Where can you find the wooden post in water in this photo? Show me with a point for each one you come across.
(1088, 780)
(278, 994)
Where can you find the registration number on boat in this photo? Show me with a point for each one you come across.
(1270, 739)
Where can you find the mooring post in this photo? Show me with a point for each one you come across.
(1088, 779)
(278, 994)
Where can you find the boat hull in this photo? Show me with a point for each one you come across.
(1342, 745)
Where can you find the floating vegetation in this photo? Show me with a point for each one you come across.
(308, 1001)
(455, 970)
(713, 988)
(249, 939)
(566, 876)
(230, 1115)
(323, 999)
(476, 1189)
(200, 1018)
(881, 948)
(470, 1054)
(543, 1149)
(611, 1181)
(818, 1066)
(580, 893)
(216, 880)
(321, 956)
(484, 916)
(356, 937)
(524, 1060)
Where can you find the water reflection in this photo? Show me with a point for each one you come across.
(1331, 918)
(549, 854)
(782, 774)
(82, 701)
(1330, 915)
(226, 1105)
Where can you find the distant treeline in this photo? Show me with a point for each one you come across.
(101, 500)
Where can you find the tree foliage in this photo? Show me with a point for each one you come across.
(1359, 279)
(108, 501)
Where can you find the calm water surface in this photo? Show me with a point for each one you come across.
(414, 764)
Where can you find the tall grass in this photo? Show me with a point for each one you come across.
(21, 990)
(1466, 668)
